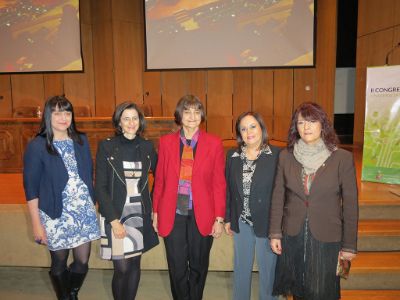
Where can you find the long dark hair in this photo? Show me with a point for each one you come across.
(260, 121)
(46, 130)
(311, 111)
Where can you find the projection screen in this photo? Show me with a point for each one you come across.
(40, 36)
(186, 34)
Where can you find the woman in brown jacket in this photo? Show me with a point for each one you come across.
(314, 210)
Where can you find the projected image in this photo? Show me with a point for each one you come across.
(229, 33)
(39, 36)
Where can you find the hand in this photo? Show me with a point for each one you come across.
(217, 228)
(276, 246)
(228, 230)
(155, 222)
(118, 229)
(39, 234)
(347, 255)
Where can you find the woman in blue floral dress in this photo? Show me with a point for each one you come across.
(59, 190)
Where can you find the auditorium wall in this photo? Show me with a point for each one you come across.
(378, 33)
(113, 50)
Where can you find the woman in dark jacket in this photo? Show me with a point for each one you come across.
(314, 211)
(58, 188)
(250, 173)
(122, 190)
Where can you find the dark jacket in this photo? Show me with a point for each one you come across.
(45, 175)
(260, 191)
(110, 189)
(331, 206)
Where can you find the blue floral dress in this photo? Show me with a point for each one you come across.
(78, 222)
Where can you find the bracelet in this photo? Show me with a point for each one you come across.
(219, 221)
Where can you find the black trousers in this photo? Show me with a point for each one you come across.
(188, 254)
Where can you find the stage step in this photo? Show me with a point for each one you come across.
(374, 270)
(379, 201)
(379, 235)
(367, 295)
(370, 294)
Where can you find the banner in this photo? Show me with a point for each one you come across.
(381, 154)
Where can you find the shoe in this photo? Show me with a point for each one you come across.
(75, 283)
(60, 285)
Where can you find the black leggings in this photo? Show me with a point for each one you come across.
(126, 278)
(59, 259)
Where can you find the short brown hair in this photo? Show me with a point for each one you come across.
(186, 102)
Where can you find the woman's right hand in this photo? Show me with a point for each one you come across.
(39, 234)
(228, 230)
(155, 222)
(276, 246)
(118, 229)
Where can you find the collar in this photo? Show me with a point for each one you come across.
(264, 149)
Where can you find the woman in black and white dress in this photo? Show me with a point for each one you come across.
(122, 190)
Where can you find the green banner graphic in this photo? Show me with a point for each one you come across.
(381, 154)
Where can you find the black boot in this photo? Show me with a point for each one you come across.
(75, 283)
(60, 285)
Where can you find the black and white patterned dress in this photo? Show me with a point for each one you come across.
(132, 219)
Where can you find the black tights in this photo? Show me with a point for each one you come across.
(59, 260)
(126, 278)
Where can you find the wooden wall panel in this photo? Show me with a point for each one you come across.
(125, 10)
(326, 55)
(85, 10)
(79, 87)
(371, 51)
(128, 50)
(27, 90)
(6, 104)
(102, 33)
(101, 10)
(397, 13)
(242, 93)
(304, 86)
(196, 84)
(283, 102)
(152, 92)
(219, 103)
(53, 84)
(375, 15)
(128, 71)
(263, 96)
(173, 88)
(359, 105)
(395, 57)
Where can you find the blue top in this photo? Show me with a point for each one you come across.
(45, 175)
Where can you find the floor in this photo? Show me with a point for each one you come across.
(20, 283)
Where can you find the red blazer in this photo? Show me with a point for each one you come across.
(208, 182)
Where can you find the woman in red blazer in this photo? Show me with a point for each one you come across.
(189, 198)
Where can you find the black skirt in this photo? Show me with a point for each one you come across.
(307, 267)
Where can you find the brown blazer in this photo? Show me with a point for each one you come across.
(332, 207)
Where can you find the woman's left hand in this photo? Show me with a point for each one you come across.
(347, 255)
(217, 228)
